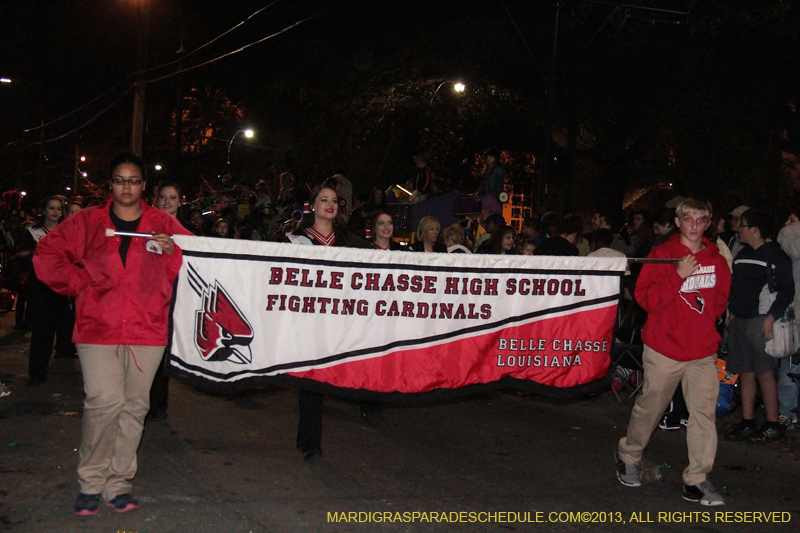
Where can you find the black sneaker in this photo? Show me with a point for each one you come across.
(87, 504)
(310, 453)
(743, 430)
(156, 415)
(704, 493)
(35, 381)
(769, 432)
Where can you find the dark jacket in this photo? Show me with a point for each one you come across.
(557, 245)
(750, 276)
(419, 246)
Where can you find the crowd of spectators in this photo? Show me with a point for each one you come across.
(743, 237)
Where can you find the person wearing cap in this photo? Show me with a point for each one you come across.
(490, 224)
(494, 180)
(736, 217)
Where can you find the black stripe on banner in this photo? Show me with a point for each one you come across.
(412, 342)
(227, 387)
(423, 268)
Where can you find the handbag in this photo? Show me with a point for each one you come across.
(783, 342)
(727, 386)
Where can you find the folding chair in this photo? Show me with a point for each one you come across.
(627, 370)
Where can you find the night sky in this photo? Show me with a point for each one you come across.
(351, 87)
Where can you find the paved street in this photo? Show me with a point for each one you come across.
(222, 463)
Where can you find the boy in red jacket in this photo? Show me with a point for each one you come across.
(680, 343)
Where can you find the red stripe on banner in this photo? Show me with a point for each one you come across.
(550, 355)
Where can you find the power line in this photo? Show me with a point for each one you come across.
(90, 102)
(215, 39)
(109, 106)
(245, 47)
(130, 76)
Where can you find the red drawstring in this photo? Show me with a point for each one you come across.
(135, 362)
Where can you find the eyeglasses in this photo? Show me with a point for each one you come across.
(133, 182)
(747, 226)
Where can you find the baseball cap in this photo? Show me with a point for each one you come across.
(739, 210)
(673, 203)
(495, 218)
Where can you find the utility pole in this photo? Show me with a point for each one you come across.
(548, 127)
(40, 172)
(178, 148)
(76, 173)
(137, 127)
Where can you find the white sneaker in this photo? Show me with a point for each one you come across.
(787, 421)
(628, 475)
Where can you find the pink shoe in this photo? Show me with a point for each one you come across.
(123, 503)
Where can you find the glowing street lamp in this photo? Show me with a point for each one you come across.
(457, 87)
(247, 133)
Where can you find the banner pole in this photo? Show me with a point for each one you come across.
(652, 260)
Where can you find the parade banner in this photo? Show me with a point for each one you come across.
(383, 325)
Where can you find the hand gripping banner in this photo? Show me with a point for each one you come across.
(386, 325)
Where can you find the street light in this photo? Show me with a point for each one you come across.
(457, 87)
(247, 133)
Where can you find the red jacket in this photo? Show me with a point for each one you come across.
(681, 313)
(114, 304)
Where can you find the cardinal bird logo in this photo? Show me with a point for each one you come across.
(694, 299)
(222, 332)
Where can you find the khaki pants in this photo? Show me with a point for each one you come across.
(700, 389)
(117, 382)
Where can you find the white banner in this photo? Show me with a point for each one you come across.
(390, 321)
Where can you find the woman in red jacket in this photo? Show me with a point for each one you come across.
(123, 287)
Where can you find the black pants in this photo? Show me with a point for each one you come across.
(22, 319)
(309, 427)
(52, 318)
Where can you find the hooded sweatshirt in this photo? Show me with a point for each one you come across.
(682, 312)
